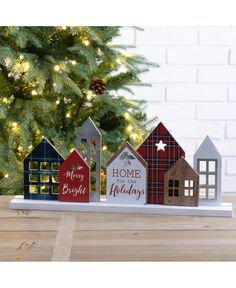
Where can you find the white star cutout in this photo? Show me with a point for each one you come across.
(160, 146)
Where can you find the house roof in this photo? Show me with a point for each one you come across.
(127, 145)
(73, 154)
(88, 129)
(45, 151)
(181, 164)
(207, 150)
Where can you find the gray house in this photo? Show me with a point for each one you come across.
(208, 163)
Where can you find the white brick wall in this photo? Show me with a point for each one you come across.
(194, 90)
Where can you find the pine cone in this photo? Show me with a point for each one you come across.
(98, 86)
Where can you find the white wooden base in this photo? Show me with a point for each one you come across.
(225, 210)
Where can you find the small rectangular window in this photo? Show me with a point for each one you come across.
(55, 189)
(170, 183)
(33, 165)
(202, 166)
(177, 183)
(170, 192)
(186, 192)
(212, 166)
(93, 183)
(202, 193)
(33, 177)
(176, 192)
(44, 178)
(203, 179)
(191, 183)
(83, 146)
(211, 194)
(191, 192)
(33, 189)
(44, 166)
(211, 180)
(93, 164)
(186, 183)
(45, 189)
(93, 146)
(55, 178)
(55, 166)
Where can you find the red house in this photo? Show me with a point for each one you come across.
(74, 179)
(160, 150)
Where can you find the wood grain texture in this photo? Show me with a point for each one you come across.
(115, 237)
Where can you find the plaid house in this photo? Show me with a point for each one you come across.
(159, 161)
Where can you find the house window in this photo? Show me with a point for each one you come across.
(207, 170)
(173, 188)
(33, 165)
(93, 146)
(188, 188)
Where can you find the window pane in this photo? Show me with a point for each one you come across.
(55, 166)
(212, 166)
(170, 183)
(177, 183)
(92, 183)
(191, 183)
(44, 178)
(93, 164)
(33, 189)
(202, 166)
(33, 177)
(55, 189)
(202, 193)
(170, 192)
(44, 166)
(186, 183)
(33, 165)
(176, 192)
(93, 146)
(202, 179)
(191, 193)
(55, 178)
(45, 189)
(211, 180)
(211, 194)
(83, 146)
(186, 192)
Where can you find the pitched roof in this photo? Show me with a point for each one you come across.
(70, 157)
(182, 163)
(88, 129)
(127, 145)
(207, 150)
(45, 150)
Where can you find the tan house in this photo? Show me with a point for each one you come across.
(181, 185)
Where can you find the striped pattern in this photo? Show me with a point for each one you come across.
(159, 161)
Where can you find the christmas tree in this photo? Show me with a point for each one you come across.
(51, 80)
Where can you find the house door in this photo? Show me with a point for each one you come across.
(207, 170)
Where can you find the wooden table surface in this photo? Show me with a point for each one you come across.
(77, 236)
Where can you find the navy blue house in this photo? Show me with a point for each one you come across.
(41, 172)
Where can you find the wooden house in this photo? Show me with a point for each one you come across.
(160, 150)
(74, 179)
(41, 172)
(181, 185)
(208, 164)
(89, 142)
(127, 177)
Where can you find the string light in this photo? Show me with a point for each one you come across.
(57, 102)
(30, 147)
(26, 66)
(34, 92)
(4, 100)
(71, 150)
(63, 27)
(21, 57)
(129, 128)
(104, 148)
(126, 115)
(6, 175)
(20, 148)
(14, 124)
(89, 95)
(73, 62)
(86, 42)
(56, 68)
(68, 115)
(118, 61)
(134, 136)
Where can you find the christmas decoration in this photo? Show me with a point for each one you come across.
(89, 142)
(41, 172)
(160, 150)
(208, 164)
(45, 75)
(126, 177)
(74, 179)
(181, 185)
(98, 86)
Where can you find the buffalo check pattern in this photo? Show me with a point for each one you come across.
(159, 161)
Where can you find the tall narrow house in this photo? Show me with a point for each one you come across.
(160, 150)
(89, 142)
(207, 163)
(41, 172)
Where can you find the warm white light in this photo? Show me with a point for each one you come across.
(21, 57)
(89, 95)
(58, 102)
(71, 150)
(14, 124)
(126, 115)
(26, 66)
(20, 148)
(86, 42)
(129, 128)
(73, 62)
(30, 147)
(118, 61)
(56, 68)
(34, 92)
(4, 100)
(63, 27)
(68, 115)
(104, 148)
(6, 175)
(134, 136)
